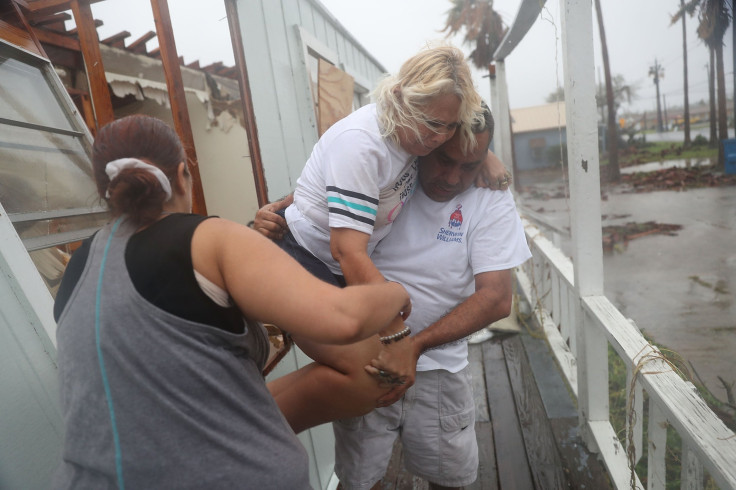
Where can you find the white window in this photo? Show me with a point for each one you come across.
(46, 183)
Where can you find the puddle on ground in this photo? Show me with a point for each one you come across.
(654, 166)
(678, 287)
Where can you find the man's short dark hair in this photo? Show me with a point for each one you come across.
(484, 121)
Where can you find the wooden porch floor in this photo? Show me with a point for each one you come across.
(526, 423)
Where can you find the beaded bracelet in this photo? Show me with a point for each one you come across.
(395, 337)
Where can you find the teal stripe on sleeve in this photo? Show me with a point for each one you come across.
(349, 204)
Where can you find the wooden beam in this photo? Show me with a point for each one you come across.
(93, 62)
(29, 32)
(48, 6)
(74, 30)
(212, 68)
(248, 114)
(231, 72)
(44, 7)
(56, 39)
(45, 20)
(177, 98)
(139, 45)
(66, 58)
(17, 36)
(117, 40)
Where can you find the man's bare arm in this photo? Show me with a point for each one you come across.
(490, 302)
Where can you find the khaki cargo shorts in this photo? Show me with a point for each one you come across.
(436, 422)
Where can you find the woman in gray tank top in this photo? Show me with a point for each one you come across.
(160, 349)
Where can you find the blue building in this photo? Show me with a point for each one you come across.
(538, 132)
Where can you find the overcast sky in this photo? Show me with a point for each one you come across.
(638, 32)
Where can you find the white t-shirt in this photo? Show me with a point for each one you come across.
(354, 179)
(436, 248)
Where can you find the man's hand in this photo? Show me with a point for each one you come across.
(270, 224)
(395, 368)
(493, 174)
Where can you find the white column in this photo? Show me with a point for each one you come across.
(585, 204)
(497, 143)
(503, 118)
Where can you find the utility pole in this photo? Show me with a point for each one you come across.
(686, 116)
(600, 99)
(712, 96)
(656, 71)
(666, 119)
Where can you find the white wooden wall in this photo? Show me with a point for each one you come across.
(275, 33)
(30, 419)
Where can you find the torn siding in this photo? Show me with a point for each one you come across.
(138, 86)
(142, 77)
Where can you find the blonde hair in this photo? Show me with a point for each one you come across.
(433, 72)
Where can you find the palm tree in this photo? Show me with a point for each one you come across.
(689, 9)
(622, 92)
(714, 18)
(614, 172)
(484, 28)
(712, 99)
(557, 96)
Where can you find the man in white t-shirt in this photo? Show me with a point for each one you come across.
(453, 248)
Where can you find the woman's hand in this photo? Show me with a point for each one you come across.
(270, 224)
(395, 368)
(493, 174)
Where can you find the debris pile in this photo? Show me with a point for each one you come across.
(677, 179)
(617, 237)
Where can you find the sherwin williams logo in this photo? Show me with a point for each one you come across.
(452, 233)
(456, 218)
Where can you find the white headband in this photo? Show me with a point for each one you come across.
(112, 169)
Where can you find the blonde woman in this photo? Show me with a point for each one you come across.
(360, 174)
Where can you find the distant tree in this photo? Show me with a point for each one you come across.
(484, 28)
(622, 92)
(686, 8)
(614, 172)
(714, 17)
(557, 95)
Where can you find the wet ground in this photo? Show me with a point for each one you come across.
(678, 288)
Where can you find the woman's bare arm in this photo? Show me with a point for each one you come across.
(270, 286)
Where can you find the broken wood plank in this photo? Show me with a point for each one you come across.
(90, 47)
(512, 462)
(335, 89)
(475, 360)
(541, 450)
(249, 117)
(487, 471)
(177, 98)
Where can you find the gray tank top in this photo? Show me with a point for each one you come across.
(151, 400)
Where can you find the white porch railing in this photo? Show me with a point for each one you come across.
(547, 283)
